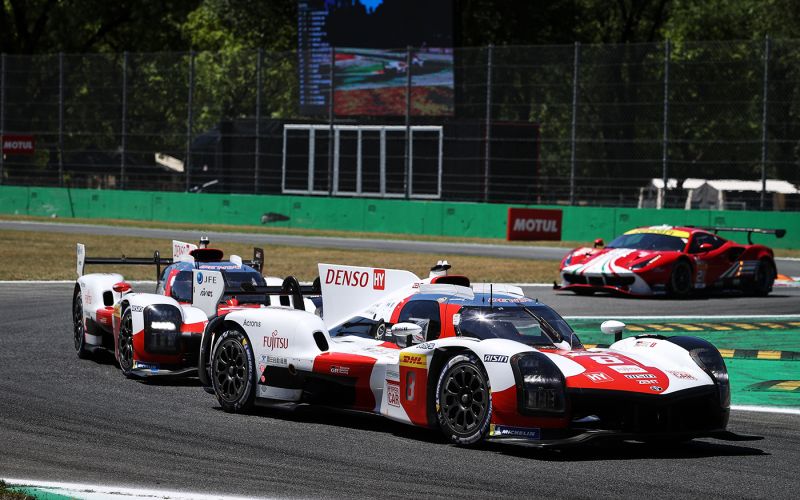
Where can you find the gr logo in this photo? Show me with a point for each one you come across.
(379, 279)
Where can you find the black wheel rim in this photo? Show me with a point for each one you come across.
(77, 322)
(230, 370)
(126, 343)
(464, 399)
(681, 279)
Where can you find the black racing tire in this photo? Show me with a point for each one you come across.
(464, 400)
(79, 327)
(233, 372)
(763, 278)
(125, 343)
(680, 280)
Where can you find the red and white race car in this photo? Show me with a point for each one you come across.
(159, 333)
(669, 260)
(478, 361)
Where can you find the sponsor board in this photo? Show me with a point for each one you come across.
(410, 360)
(510, 431)
(273, 341)
(599, 377)
(495, 358)
(628, 369)
(533, 224)
(18, 144)
(681, 375)
(393, 393)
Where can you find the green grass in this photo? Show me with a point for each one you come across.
(51, 256)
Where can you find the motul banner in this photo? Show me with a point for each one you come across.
(533, 224)
(18, 144)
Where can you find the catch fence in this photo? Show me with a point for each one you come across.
(596, 125)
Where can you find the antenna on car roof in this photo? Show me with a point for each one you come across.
(490, 295)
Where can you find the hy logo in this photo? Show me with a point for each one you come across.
(199, 278)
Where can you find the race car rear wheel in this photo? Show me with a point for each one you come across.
(464, 400)
(79, 327)
(763, 278)
(680, 281)
(125, 343)
(233, 372)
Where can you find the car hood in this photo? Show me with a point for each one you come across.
(611, 260)
(616, 371)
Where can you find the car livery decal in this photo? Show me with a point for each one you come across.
(614, 371)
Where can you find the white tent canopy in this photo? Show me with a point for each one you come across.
(710, 193)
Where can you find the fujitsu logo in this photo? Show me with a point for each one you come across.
(274, 342)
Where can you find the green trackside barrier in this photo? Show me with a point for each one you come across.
(437, 218)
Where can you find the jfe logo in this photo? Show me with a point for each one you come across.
(379, 279)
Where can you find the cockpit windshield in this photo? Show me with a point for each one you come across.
(539, 326)
(649, 241)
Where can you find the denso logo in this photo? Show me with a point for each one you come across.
(536, 225)
(275, 342)
(359, 279)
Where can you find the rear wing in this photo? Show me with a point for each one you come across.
(779, 233)
(180, 252)
(155, 260)
(209, 288)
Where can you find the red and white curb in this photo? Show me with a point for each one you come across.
(95, 492)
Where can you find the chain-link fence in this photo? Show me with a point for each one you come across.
(574, 124)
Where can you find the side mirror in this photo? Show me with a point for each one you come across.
(406, 334)
(705, 247)
(613, 327)
(121, 287)
(598, 242)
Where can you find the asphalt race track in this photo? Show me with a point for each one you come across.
(65, 419)
(790, 267)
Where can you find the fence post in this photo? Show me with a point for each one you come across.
(575, 72)
(259, 62)
(60, 119)
(665, 126)
(764, 125)
(488, 128)
(408, 187)
(187, 164)
(2, 110)
(331, 117)
(123, 130)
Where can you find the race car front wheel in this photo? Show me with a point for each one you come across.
(125, 343)
(680, 281)
(233, 372)
(79, 327)
(464, 400)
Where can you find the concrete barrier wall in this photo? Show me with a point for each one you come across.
(437, 218)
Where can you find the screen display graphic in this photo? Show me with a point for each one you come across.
(371, 60)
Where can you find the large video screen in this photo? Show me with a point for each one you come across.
(371, 60)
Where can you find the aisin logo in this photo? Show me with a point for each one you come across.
(199, 278)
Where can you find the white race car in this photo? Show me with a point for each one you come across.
(478, 361)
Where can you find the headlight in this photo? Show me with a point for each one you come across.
(710, 360)
(162, 328)
(540, 384)
(707, 357)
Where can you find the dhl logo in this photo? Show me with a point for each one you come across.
(414, 360)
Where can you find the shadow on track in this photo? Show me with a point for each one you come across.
(607, 450)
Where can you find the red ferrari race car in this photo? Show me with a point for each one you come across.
(671, 260)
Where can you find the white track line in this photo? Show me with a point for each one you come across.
(91, 491)
(767, 409)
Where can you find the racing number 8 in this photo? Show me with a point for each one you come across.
(607, 360)
(411, 379)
